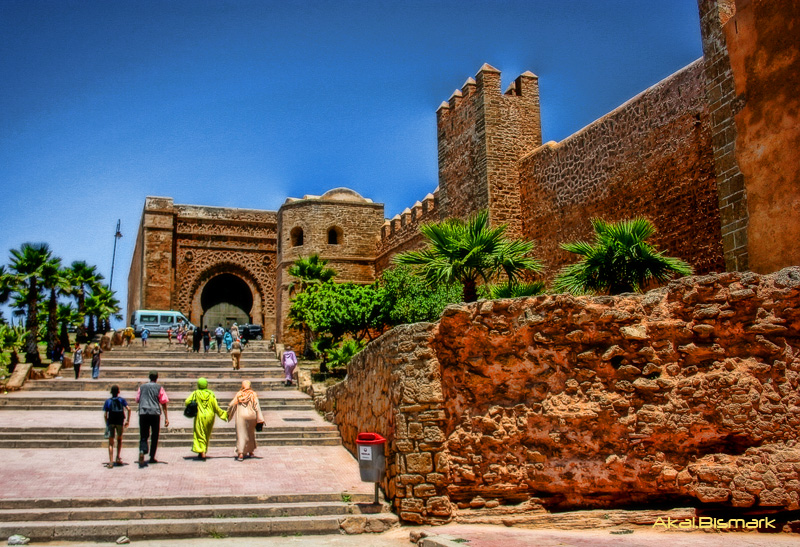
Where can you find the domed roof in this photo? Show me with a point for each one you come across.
(344, 194)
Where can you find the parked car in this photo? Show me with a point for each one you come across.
(157, 321)
(251, 332)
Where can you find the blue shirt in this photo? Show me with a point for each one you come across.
(118, 420)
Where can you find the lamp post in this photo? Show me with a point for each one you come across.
(117, 235)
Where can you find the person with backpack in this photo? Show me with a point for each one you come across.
(219, 333)
(117, 414)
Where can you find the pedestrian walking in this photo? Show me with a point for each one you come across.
(145, 336)
(196, 338)
(289, 362)
(235, 331)
(236, 354)
(96, 351)
(77, 359)
(180, 334)
(207, 408)
(169, 336)
(128, 335)
(117, 414)
(152, 401)
(245, 411)
(228, 339)
(206, 338)
(219, 333)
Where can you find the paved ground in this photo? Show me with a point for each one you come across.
(79, 473)
(492, 536)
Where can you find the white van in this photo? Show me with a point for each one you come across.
(157, 321)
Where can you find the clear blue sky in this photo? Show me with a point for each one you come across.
(242, 104)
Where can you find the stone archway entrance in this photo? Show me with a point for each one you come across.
(226, 299)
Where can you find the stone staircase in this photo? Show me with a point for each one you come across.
(64, 415)
(185, 517)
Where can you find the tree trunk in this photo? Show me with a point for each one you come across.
(63, 336)
(32, 326)
(470, 291)
(81, 333)
(90, 329)
(52, 322)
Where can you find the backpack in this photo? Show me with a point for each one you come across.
(116, 411)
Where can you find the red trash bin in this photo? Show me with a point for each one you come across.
(371, 456)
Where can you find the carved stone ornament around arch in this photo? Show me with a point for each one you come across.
(252, 267)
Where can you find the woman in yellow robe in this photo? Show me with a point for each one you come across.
(207, 407)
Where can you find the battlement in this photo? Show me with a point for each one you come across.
(401, 232)
(487, 82)
(482, 131)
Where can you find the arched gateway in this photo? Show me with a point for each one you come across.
(216, 265)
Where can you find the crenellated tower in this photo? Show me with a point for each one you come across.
(482, 134)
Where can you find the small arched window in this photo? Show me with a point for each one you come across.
(334, 236)
(296, 236)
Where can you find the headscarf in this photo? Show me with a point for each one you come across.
(202, 383)
(246, 395)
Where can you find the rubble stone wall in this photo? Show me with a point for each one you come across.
(684, 396)
(393, 388)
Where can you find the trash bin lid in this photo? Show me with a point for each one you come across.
(369, 438)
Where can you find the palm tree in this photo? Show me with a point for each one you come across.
(83, 277)
(620, 260)
(470, 252)
(67, 315)
(309, 271)
(26, 267)
(516, 290)
(108, 306)
(54, 279)
(12, 338)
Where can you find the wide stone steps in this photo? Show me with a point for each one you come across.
(116, 372)
(181, 355)
(169, 384)
(52, 437)
(187, 517)
(159, 364)
(174, 405)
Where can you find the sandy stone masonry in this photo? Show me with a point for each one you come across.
(684, 396)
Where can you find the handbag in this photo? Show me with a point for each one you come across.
(259, 426)
(191, 409)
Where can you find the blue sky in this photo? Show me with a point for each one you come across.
(242, 104)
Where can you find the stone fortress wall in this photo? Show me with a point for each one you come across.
(650, 157)
(685, 396)
(180, 248)
(671, 153)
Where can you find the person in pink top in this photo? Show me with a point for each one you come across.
(152, 400)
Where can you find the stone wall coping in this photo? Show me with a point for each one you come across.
(552, 145)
